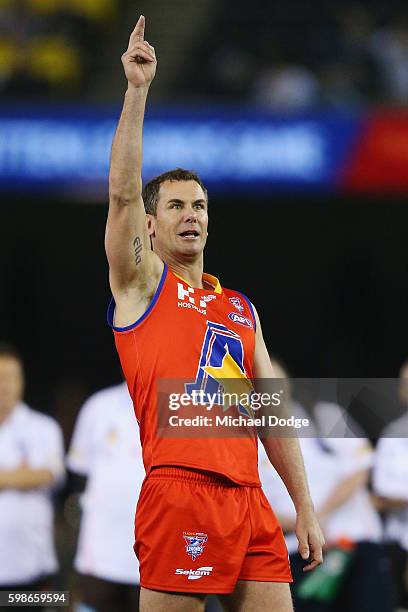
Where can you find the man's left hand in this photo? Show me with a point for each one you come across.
(310, 537)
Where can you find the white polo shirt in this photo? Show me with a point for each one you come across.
(357, 518)
(26, 517)
(390, 477)
(106, 448)
(327, 462)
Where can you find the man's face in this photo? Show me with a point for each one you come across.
(180, 225)
(11, 385)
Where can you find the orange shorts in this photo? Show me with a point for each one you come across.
(199, 533)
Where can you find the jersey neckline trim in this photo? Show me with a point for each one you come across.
(112, 306)
(206, 278)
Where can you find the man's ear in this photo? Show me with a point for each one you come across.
(150, 225)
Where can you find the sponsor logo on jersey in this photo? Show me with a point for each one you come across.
(240, 319)
(237, 302)
(209, 298)
(188, 299)
(195, 574)
(194, 543)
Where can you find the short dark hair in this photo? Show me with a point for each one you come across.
(151, 189)
(9, 350)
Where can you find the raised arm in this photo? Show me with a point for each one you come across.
(285, 455)
(133, 267)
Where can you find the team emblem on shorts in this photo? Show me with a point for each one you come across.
(194, 543)
(236, 301)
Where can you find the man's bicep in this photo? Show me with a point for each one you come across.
(127, 244)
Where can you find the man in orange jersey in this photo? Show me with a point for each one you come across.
(203, 524)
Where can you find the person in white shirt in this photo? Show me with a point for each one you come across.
(338, 471)
(390, 483)
(31, 464)
(105, 448)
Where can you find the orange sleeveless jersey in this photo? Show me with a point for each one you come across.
(184, 334)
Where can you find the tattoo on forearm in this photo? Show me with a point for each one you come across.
(137, 245)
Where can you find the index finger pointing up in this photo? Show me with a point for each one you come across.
(138, 32)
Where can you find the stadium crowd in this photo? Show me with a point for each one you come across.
(290, 56)
(284, 56)
(48, 48)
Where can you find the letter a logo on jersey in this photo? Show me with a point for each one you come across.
(222, 365)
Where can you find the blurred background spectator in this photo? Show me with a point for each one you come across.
(31, 465)
(106, 457)
(338, 470)
(389, 47)
(391, 485)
